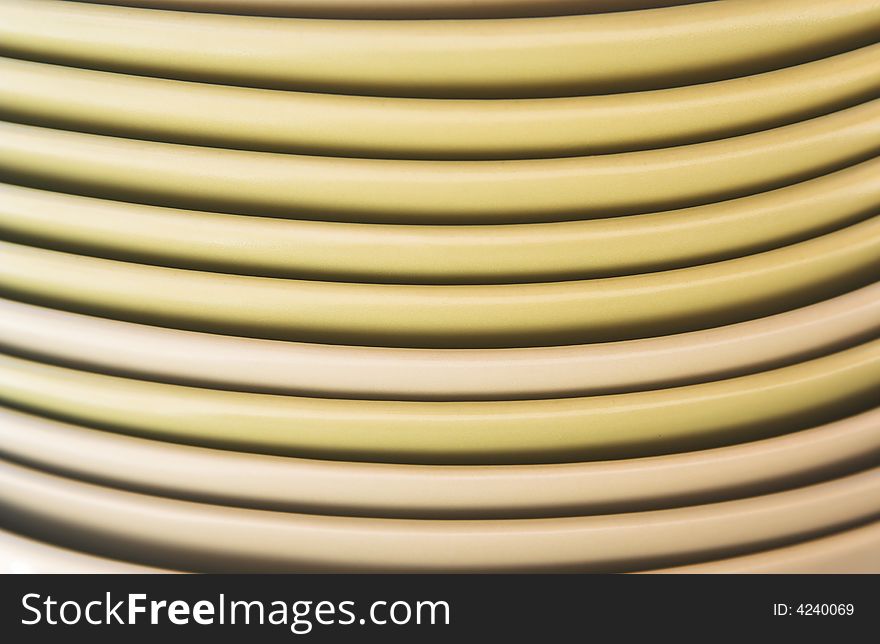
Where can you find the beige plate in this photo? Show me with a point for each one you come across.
(193, 536)
(387, 490)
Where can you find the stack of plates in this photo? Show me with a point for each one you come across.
(436, 285)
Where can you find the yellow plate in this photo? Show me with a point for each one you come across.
(407, 191)
(440, 254)
(547, 313)
(285, 121)
(519, 431)
(480, 58)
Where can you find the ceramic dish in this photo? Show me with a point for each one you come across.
(271, 366)
(410, 491)
(286, 121)
(492, 432)
(192, 536)
(487, 58)
(428, 192)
